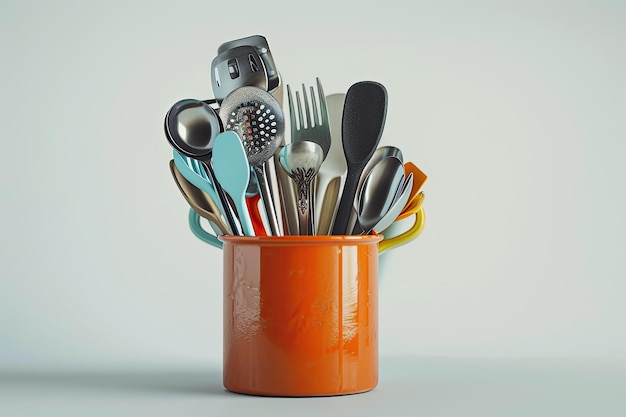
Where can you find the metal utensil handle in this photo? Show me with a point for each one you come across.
(266, 196)
(221, 195)
(305, 204)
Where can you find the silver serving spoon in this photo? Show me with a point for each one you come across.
(379, 154)
(378, 193)
(396, 207)
(255, 115)
(302, 160)
(191, 127)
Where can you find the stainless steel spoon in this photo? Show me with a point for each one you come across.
(396, 207)
(378, 193)
(255, 115)
(379, 154)
(191, 127)
(302, 160)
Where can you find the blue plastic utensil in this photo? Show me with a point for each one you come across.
(232, 171)
(183, 164)
(199, 232)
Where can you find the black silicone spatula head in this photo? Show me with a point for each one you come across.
(364, 114)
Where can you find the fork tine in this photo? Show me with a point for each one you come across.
(322, 99)
(305, 98)
(292, 114)
(315, 117)
(300, 117)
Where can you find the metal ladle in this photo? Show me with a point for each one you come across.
(191, 127)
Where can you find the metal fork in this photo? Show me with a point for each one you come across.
(312, 125)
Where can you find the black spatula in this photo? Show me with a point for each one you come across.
(364, 114)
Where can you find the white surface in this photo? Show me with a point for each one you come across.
(408, 386)
(515, 110)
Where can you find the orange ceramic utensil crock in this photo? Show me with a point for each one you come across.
(300, 314)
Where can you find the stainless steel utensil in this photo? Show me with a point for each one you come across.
(379, 155)
(310, 125)
(190, 127)
(404, 192)
(237, 67)
(255, 115)
(378, 193)
(364, 114)
(302, 160)
(262, 46)
(331, 175)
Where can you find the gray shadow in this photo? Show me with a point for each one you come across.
(190, 382)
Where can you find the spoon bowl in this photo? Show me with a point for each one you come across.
(302, 160)
(397, 206)
(191, 127)
(378, 193)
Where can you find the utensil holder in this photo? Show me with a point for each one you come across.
(300, 314)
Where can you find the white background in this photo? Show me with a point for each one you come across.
(515, 110)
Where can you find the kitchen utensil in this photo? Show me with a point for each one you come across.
(313, 124)
(230, 164)
(287, 197)
(237, 67)
(257, 118)
(379, 154)
(302, 160)
(262, 47)
(331, 175)
(419, 178)
(196, 228)
(378, 193)
(404, 192)
(405, 237)
(255, 214)
(199, 200)
(411, 206)
(190, 127)
(364, 114)
(192, 172)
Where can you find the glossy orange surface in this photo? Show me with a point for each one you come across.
(300, 314)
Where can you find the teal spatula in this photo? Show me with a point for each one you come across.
(232, 171)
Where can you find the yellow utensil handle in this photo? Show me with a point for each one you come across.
(409, 235)
(412, 207)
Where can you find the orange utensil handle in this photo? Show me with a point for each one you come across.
(255, 215)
